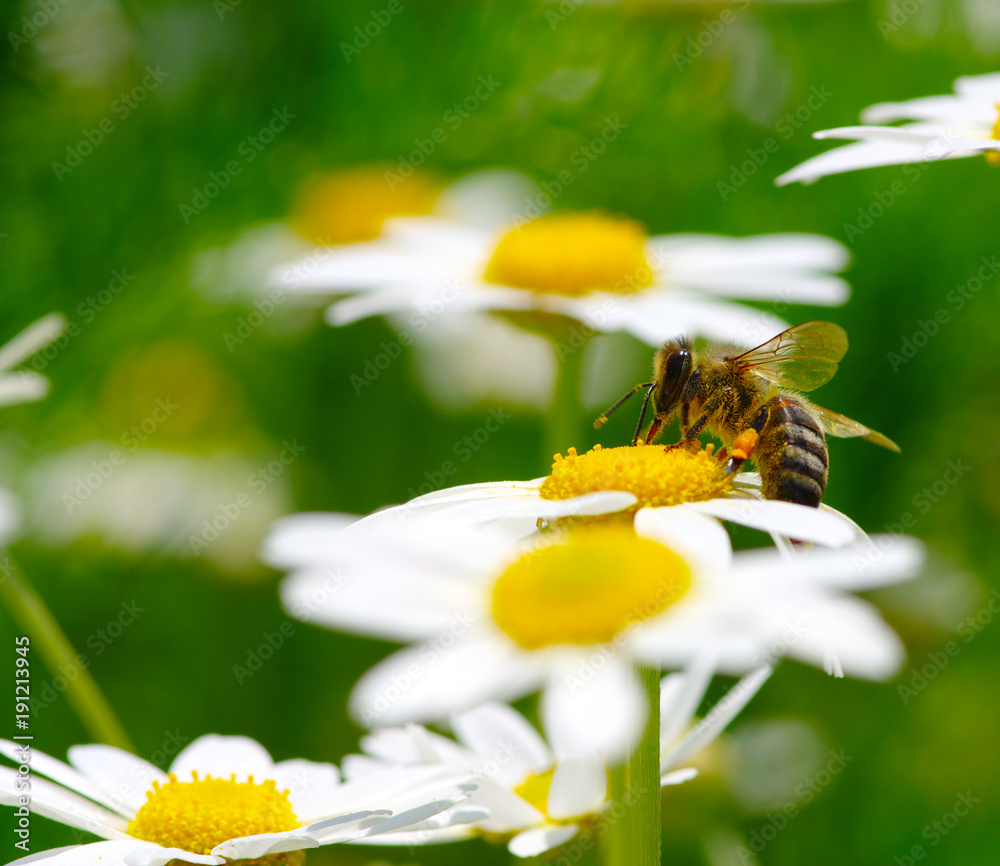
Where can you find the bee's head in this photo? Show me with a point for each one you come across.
(672, 369)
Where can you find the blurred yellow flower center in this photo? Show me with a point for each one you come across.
(351, 205)
(572, 254)
(657, 476)
(535, 789)
(198, 815)
(993, 156)
(588, 588)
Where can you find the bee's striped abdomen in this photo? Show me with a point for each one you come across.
(792, 454)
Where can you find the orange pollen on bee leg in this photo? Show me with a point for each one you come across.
(744, 444)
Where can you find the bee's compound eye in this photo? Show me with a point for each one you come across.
(674, 370)
(677, 367)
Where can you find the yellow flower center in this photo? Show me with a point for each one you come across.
(351, 205)
(993, 156)
(198, 815)
(535, 790)
(572, 254)
(657, 476)
(587, 588)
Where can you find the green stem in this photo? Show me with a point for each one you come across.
(634, 839)
(30, 612)
(562, 426)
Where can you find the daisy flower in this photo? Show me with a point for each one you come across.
(674, 481)
(595, 268)
(965, 123)
(223, 799)
(571, 614)
(609, 483)
(538, 794)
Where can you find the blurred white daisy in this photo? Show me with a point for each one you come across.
(215, 506)
(344, 207)
(539, 795)
(461, 359)
(223, 799)
(605, 481)
(600, 270)
(572, 614)
(966, 123)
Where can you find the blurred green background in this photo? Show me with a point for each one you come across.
(65, 235)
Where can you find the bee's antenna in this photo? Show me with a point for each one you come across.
(603, 417)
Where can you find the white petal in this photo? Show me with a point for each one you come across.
(678, 777)
(131, 852)
(62, 805)
(579, 787)
(819, 289)
(480, 491)
(508, 813)
(450, 295)
(441, 240)
(372, 600)
(699, 540)
(349, 267)
(594, 708)
(390, 790)
(784, 518)
(303, 539)
(487, 199)
(24, 386)
(252, 847)
(64, 775)
(933, 108)
(342, 828)
(850, 157)
(985, 86)
(656, 313)
(154, 855)
(122, 776)
(689, 254)
(418, 814)
(51, 854)
(852, 632)
(502, 736)
(36, 336)
(881, 560)
(537, 841)
(912, 133)
(680, 696)
(601, 502)
(428, 682)
(309, 785)
(718, 717)
(414, 744)
(222, 756)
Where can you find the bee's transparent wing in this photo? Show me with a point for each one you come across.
(802, 358)
(835, 424)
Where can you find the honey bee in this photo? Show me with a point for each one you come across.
(748, 400)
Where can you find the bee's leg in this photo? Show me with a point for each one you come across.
(744, 444)
(690, 431)
(642, 415)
